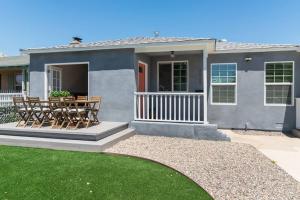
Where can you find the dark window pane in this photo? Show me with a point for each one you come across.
(165, 77)
(278, 72)
(183, 72)
(270, 72)
(288, 66)
(176, 72)
(278, 79)
(270, 79)
(288, 72)
(288, 79)
(270, 66)
(279, 66)
(180, 76)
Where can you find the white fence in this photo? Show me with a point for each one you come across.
(6, 97)
(168, 107)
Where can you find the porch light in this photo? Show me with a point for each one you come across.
(248, 59)
(172, 55)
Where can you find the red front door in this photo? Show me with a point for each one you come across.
(142, 78)
(142, 86)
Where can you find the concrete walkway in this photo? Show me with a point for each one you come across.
(285, 151)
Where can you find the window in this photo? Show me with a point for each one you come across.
(18, 82)
(223, 83)
(279, 83)
(172, 76)
(56, 80)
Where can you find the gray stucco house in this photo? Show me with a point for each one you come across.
(176, 85)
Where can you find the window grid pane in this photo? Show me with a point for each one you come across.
(223, 73)
(180, 76)
(279, 72)
(223, 94)
(278, 94)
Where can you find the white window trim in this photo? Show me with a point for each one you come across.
(265, 84)
(216, 84)
(172, 75)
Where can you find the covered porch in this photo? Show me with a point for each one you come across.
(14, 78)
(172, 86)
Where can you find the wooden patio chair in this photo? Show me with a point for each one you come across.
(57, 110)
(22, 110)
(73, 114)
(94, 110)
(82, 98)
(40, 113)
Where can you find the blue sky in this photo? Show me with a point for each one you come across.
(33, 23)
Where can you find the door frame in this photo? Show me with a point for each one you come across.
(46, 82)
(146, 75)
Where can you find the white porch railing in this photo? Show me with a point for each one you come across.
(168, 107)
(6, 97)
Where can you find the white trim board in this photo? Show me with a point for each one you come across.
(46, 86)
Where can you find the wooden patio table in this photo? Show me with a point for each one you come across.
(88, 104)
(76, 101)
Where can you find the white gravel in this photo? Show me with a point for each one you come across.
(226, 170)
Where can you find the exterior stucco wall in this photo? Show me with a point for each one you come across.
(250, 107)
(111, 75)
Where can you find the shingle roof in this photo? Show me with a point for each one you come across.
(13, 61)
(128, 41)
(225, 46)
(220, 45)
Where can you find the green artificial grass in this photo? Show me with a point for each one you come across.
(27, 173)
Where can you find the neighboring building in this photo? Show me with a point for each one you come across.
(14, 74)
(163, 85)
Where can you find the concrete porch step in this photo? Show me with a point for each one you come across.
(185, 130)
(66, 144)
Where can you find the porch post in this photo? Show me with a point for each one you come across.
(205, 86)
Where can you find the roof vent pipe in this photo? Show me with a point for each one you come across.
(76, 40)
(156, 34)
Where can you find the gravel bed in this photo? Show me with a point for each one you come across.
(226, 170)
(255, 132)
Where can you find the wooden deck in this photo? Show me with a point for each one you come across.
(93, 133)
